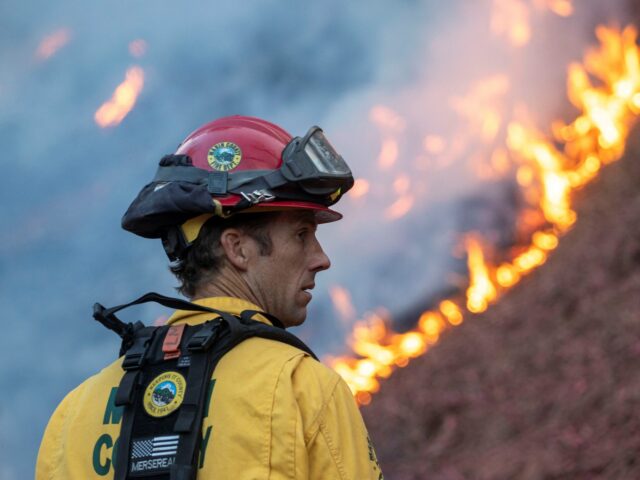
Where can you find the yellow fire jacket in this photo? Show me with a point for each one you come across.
(274, 413)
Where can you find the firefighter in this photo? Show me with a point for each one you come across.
(236, 208)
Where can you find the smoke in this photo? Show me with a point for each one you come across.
(329, 63)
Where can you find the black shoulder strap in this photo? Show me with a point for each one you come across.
(106, 315)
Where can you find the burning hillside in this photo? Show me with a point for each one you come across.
(544, 384)
(605, 90)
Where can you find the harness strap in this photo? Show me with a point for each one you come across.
(189, 421)
(124, 394)
(244, 327)
(169, 302)
(131, 381)
(247, 317)
(121, 460)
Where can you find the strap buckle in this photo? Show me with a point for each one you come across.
(258, 196)
(204, 337)
(136, 353)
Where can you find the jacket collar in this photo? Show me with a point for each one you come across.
(232, 305)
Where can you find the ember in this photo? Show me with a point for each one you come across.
(360, 188)
(342, 302)
(113, 111)
(138, 48)
(51, 44)
(512, 18)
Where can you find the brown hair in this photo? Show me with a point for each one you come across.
(204, 258)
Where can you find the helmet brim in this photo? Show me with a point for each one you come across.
(322, 214)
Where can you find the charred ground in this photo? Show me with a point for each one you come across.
(545, 384)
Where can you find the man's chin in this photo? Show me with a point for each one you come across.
(295, 319)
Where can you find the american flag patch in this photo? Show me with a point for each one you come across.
(155, 447)
(153, 455)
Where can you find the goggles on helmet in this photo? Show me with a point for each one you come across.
(313, 163)
(311, 171)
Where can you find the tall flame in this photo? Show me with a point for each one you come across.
(605, 88)
(481, 289)
(114, 110)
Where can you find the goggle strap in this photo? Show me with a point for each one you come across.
(221, 183)
(180, 173)
(237, 183)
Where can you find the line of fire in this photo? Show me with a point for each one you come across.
(548, 162)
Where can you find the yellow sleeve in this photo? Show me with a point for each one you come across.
(337, 442)
(50, 455)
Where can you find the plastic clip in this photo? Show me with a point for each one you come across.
(203, 339)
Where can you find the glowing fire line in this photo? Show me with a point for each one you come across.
(596, 137)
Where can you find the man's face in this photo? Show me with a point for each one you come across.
(282, 280)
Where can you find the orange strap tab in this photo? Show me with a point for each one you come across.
(171, 345)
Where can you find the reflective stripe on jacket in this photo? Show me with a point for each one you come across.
(274, 413)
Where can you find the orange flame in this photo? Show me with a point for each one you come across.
(598, 135)
(113, 111)
(51, 44)
(549, 165)
(606, 90)
(481, 289)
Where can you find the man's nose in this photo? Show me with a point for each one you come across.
(320, 260)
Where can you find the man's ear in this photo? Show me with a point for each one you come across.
(236, 247)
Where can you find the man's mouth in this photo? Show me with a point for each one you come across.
(306, 289)
(309, 286)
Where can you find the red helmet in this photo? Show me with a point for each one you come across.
(238, 164)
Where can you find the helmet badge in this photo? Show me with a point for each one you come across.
(224, 156)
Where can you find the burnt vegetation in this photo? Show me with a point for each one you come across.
(545, 384)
